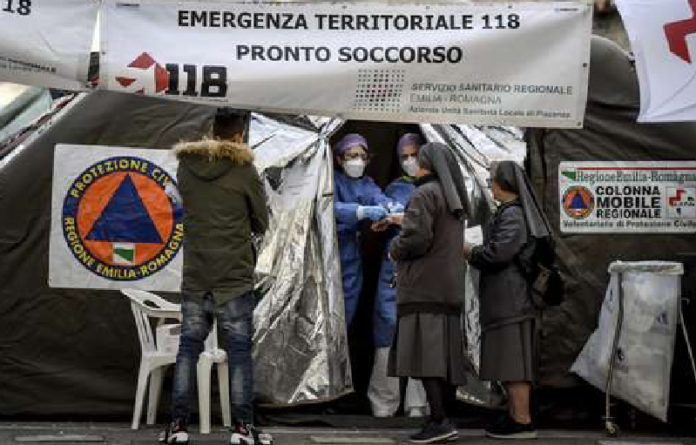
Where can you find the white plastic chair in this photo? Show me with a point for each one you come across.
(159, 350)
(212, 355)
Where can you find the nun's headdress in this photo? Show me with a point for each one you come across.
(510, 177)
(441, 162)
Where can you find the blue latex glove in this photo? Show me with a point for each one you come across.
(373, 213)
(395, 207)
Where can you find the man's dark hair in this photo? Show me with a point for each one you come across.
(229, 122)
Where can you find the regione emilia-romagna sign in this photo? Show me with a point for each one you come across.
(116, 219)
(627, 197)
(522, 63)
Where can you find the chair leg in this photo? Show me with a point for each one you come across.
(203, 377)
(140, 394)
(224, 388)
(154, 393)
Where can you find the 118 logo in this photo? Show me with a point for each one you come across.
(144, 75)
(21, 7)
(213, 84)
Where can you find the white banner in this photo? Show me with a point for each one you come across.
(663, 39)
(113, 223)
(46, 42)
(627, 197)
(523, 64)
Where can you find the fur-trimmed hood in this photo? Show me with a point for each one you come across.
(217, 149)
(210, 159)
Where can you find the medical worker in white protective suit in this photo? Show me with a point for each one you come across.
(384, 392)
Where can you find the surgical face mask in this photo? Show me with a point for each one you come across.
(354, 168)
(410, 166)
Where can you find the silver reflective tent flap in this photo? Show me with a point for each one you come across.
(301, 348)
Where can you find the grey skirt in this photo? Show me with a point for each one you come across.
(508, 353)
(429, 345)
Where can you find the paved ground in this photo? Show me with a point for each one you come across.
(115, 434)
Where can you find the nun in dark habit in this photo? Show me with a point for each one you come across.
(430, 264)
(507, 314)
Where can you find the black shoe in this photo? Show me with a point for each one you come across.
(495, 424)
(247, 434)
(435, 432)
(175, 433)
(510, 429)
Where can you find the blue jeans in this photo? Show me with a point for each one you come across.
(235, 321)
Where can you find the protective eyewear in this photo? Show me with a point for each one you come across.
(353, 156)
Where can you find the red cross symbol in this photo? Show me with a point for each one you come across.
(676, 33)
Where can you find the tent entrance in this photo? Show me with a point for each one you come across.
(383, 168)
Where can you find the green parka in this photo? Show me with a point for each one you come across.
(224, 203)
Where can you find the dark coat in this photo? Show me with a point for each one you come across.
(503, 288)
(429, 254)
(224, 203)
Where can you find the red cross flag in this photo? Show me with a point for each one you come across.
(663, 38)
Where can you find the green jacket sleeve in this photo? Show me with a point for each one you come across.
(257, 202)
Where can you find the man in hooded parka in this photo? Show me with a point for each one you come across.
(224, 204)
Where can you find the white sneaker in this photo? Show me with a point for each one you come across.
(417, 412)
(249, 435)
(175, 433)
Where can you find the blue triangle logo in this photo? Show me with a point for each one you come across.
(578, 203)
(125, 218)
